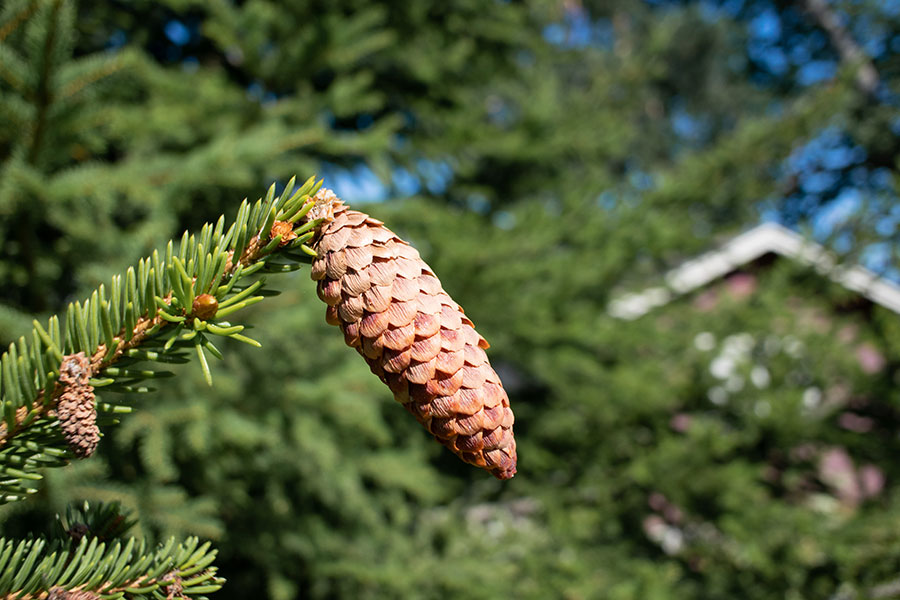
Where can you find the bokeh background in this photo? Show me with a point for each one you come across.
(545, 157)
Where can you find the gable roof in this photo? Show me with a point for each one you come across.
(745, 248)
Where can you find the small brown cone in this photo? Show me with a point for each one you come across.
(75, 409)
(415, 338)
(174, 587)
(59, 593)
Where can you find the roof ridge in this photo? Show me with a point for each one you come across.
(765, 238)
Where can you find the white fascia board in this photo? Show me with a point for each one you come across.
(744, 249)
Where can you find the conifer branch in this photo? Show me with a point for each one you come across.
(169, 304)
(88, 557)
(850, 52)
(16, 19)
(42, 93)
(34, 569)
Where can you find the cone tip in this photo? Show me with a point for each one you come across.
(325, 203)
(505, 472)
(504, 475)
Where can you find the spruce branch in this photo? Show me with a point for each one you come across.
(57, 11)
(14, 14)
(88, 557)
(850, 52)
(35, 569)
(389, 304)
(173, 304)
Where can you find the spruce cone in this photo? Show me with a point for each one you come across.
(175, 585)
(415, 338)
(75, 408)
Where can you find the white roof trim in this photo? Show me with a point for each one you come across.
(745, 248)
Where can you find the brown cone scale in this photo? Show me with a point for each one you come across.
(415, 338)
(76, 408)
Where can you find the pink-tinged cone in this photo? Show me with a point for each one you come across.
(415, 338)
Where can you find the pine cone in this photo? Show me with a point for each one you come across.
(415, 338)
(75, 409)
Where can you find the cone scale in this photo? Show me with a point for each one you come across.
(76, 408)
(393, 310)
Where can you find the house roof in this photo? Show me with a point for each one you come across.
(745, 248)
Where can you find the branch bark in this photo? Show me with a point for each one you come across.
(851, 53)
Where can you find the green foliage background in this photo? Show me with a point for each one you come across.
(559, 153)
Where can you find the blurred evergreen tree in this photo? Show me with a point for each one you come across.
(558, 152)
